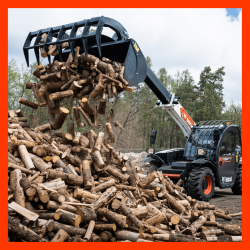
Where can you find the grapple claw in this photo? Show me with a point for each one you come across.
(118, 48)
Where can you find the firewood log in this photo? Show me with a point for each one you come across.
(86, 174)
(110, 132)
(104, 198)
(23, 211)
(89, 231)
(112, 217)
(67, 217)
(28, 103)
(126, 235)
(60, 236)
(230, 229)
(57, 124)
(77, 117)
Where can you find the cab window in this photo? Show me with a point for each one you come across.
(228, 144)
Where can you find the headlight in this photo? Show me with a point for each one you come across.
(202, 151)
(150, 150)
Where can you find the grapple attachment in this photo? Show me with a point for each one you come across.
(119, 48)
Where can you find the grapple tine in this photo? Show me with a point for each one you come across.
(49, 58)
(48, 39)
(85, 46)
(25, 48)
(36, 48)
(26, 55)
(71, 42)
(84, 38)
(99, 29)
(59, 37)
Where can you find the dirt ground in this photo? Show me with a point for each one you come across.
(224, 198)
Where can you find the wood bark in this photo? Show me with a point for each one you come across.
(63, 113)
(110, 132)
(67, 217)
(28, 103)
(60, 236)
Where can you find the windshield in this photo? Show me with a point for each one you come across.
(199, 138)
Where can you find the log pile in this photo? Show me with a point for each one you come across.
(84, 79)
(74, 187)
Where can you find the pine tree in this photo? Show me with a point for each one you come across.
(210, 102)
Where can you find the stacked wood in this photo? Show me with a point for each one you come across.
(75, 187)
(66, 189)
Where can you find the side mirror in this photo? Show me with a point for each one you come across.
(216, 135)
(153, 136)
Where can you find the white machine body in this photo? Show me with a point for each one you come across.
(179, 114)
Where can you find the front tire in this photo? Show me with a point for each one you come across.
(201, 183)
(237, 187)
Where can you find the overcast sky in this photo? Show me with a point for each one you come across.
(177, 39)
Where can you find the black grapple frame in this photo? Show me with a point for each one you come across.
(119, 48)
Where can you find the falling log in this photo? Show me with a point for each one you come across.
(28, 103)
(110, 132)
(99, 141)
(61, 236)
(61, 95)
(32, 118)
(43, 128)
(67, 217)
(65, 74)
(40, 99)
(112, 217)
(102, 106)
(85, 116)
(97, 90)
(77, 117)
(117, 124)
(85, 90)
(57, 124)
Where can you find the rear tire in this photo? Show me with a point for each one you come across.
(237, 187)
(201, 183)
